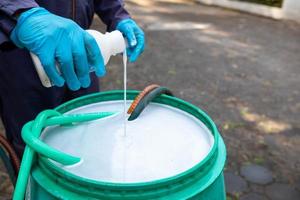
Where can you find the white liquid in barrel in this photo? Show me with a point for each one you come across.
(162, 142)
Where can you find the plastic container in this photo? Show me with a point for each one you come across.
(109, 44)
(204, 180)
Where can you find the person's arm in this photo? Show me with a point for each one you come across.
(9, 10)
(11, 7)
(6, 26)
(111, 12)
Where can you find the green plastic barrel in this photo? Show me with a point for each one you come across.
(203, 181)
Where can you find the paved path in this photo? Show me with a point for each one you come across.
(244, 71)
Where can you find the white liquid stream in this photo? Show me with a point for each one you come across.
(125, 88)
(162, 142)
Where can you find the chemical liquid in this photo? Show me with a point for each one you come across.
(125, 89)
(162, 142)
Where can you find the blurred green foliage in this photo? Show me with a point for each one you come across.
(276, 3)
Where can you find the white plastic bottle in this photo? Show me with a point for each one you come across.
(109, 44)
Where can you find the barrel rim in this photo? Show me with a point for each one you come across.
(163, 99)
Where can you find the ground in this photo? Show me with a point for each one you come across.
(243, 70)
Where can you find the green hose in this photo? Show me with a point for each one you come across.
(32, 140)
(31, 133)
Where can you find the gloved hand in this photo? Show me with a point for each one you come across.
(135, 37)
(54, 38)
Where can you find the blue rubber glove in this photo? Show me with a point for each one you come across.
(135, 37)
(56, 39)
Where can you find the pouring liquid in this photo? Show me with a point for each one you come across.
(125, 113)
(125, 90)
(147, 149)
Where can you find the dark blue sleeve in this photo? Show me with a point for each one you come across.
(4, 41)
(7, 9)
(111, 12)
(6, 26)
